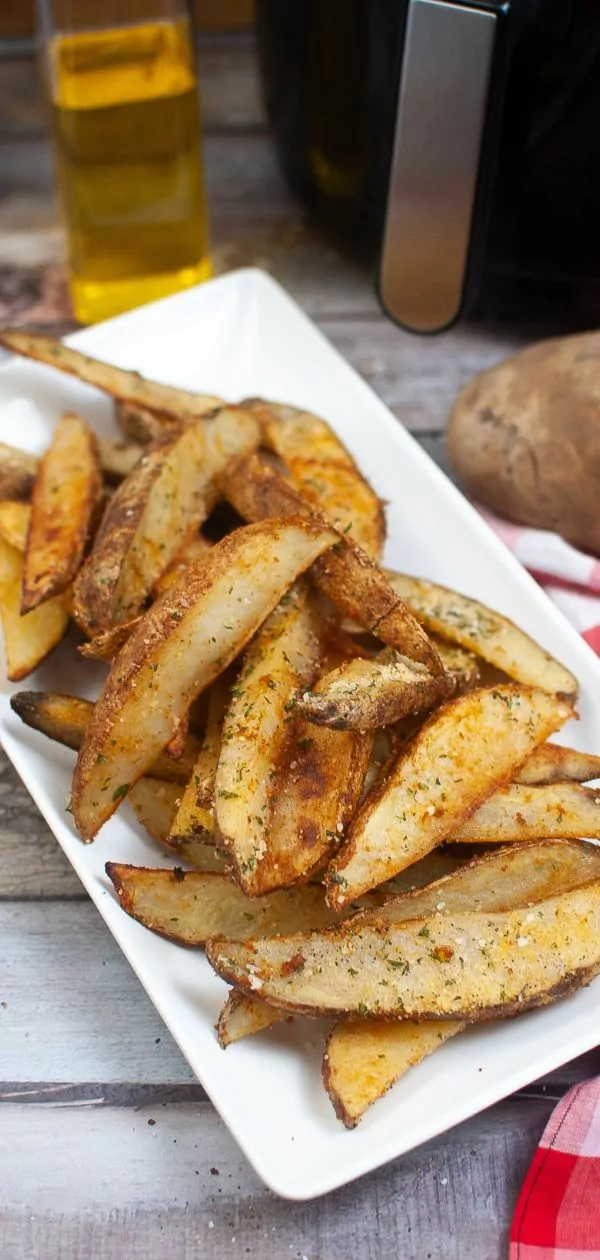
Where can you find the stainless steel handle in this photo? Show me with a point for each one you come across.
(442, 100)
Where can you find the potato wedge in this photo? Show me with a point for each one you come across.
(363, 694)
(486, 633)
(143, 426)
(466, 965)
(65, 498)
(190, 906)
(190, 553)
(186, 639)
(65, 720)
(195, 811)
(282, 659)
(28, 638)
(462, 754)
(14, 523)
(118, 459)
(258, 491)
(154, 803)
(106, 645)
(242, 1015)
(521, 812)
(363, 1060)
(324, 472)
(553, 763)
(128, 387)
(18, 470)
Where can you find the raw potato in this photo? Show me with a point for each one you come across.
(14, 523)
(242, 1015)
(28, 638)
(195, 809)
(363, 1060)
(65, 720)
(363, 694)
(486, 633)
(523, 438)
(191, 906)
(462, 754)
(553, 763)
(65, 498)
(18, 471)
(186, 639)
(430, 968)
(324, 472)
(129, 387)
(526, 813)
(258, 491)
(282, 659)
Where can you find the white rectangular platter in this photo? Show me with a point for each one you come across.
(237, 336)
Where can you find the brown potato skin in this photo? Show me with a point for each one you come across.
(18, 471)
(524, 438)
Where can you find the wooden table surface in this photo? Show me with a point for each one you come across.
(108, 1146)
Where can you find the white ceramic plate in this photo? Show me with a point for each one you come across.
(238, 336)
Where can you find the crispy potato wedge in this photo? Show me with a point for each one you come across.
(190, 553)
(143, 426)
(154, 804)
(362, 1060)
(195, 811)
(186, 639)
(65, 498)
(324, 472)
(553, 763)
(258, 491)
(282, 659)
(65, 720)
(128, 387)
(14, 523)
(18, 471)
(242, 1015)
(28, 638)
(462, 754)
(106, 645)
(364, 694)
(430, 968)
(522, 812)
(486, 633)
(190, 906)
(118, 459)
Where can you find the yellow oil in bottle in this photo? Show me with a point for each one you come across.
(127, 138)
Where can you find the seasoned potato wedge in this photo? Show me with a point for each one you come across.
(466, 750)
(324, 472)
(195, 810)
(190, 906)
(143, 426)
(14, 523)
(18, 471)
(28, 638)
(522, 812)
(186, 639)
(106, 645)
(65, 720)
(430, 968)
(242, 1015)
(553, 763)
(128, 387)
(65, 498)
(258, 491)
(282, 659)
(118, 459)
(190, 553)
(154, 804)
(363, 694)
(487, 633)
(363, 1060)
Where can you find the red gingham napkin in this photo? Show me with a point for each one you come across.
(557, 1216)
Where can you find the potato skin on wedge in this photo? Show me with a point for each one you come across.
(365, 694)
(243, 1015)
(18, 470)
(525, 812)
(65, 498)
(186, 639)
(463, 753)
(553, 763)
(465, 965)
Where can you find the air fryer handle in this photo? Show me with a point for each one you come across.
(445, 79)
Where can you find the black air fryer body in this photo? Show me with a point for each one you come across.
(460, 139)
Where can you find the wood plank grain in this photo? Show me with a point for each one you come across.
(102, 1182)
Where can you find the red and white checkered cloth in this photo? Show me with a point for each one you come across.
(557, 1216)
